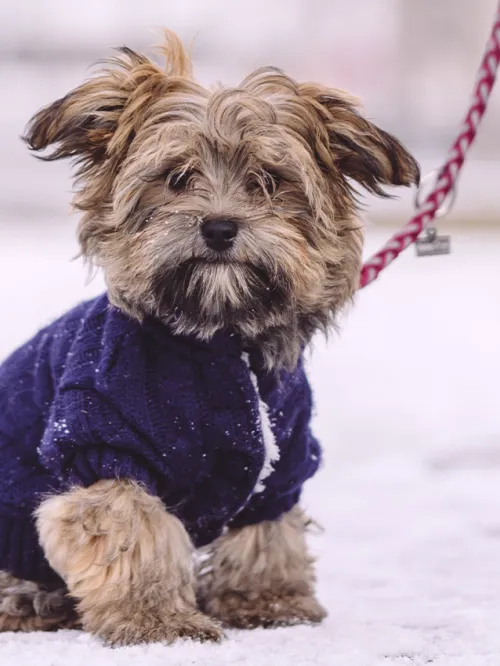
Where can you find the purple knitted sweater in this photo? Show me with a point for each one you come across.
(97, 395)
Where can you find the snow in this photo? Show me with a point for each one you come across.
(408, 411)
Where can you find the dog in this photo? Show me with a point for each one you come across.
(155, 440)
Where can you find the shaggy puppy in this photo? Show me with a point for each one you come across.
(172, 413)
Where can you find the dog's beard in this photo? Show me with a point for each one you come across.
(202, 297)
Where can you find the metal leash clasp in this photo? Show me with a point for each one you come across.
(430, 242)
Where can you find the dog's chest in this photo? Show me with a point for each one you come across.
(221, 414)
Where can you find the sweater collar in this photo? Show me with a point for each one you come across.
(223, 343)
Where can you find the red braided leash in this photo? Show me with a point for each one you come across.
(449, 172)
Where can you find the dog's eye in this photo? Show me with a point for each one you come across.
(271, 181)
(179, 180)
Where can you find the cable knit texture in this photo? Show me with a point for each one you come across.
(97, 395)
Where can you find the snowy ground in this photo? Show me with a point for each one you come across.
(409, 414)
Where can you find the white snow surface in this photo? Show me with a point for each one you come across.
(408, 413)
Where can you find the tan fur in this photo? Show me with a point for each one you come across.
(260, 575)
(158, 154)
(28, 623)
(27, 606)
(126, 561)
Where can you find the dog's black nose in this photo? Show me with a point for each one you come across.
(219, 234)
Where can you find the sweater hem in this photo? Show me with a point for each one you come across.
(21, 554)
(269, 511)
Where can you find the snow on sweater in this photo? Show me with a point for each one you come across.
(97, 395)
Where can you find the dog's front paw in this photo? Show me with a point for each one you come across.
(158, 628)
(251, 610)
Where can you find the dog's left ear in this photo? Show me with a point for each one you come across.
(355, 146)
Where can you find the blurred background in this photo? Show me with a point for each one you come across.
(412, 63)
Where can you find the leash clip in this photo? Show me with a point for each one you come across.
(430, 243)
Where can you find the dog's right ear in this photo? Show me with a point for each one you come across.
(97, 121)
(90, 122)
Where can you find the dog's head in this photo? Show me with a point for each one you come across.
(230, 208)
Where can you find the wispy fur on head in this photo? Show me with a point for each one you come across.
(158, 155)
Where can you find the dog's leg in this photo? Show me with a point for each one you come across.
(126, 561)
(260, 575)
(27, 606)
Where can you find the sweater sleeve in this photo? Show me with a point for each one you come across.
(88, 439)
